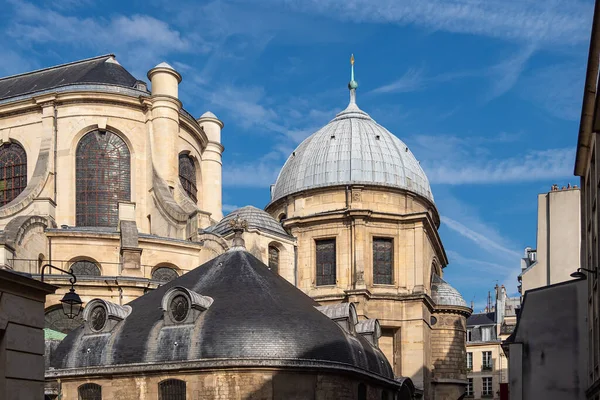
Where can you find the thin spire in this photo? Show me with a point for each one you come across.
(352, 85)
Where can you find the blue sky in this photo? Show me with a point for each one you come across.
(486, 93)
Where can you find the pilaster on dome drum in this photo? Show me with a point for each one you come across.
(351, 149)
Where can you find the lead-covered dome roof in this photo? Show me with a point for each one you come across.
(351, 149)
(443, 294)
(254, 315)
(255, 217)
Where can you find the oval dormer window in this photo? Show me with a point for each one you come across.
(98, 318)
(179, 307)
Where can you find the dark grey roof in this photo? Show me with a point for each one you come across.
(443, 294)
(256, 218)
(482, 319)
(256, 314)
(98, 70)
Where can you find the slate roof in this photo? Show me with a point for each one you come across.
(98, 70)
(256, 219)
(351, 149)
(256, 314)
(443, 294)
(482, 319)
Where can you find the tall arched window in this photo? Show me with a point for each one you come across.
(164, 274)
(171, 389)
(274, 259)
(90, 391)
(13, 172)
(362, 391)
(187, 176)
(103, 178)
(85, 268)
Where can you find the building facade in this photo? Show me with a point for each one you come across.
(486, 362)
(558, 239)
(22, 335)
(586, 167)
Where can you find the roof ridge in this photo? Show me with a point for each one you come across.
(58, 66)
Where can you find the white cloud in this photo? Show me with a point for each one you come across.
(259, 174)
(547, 22)
(227, 208)
(480, 239)
(533, 166)
(412, 81)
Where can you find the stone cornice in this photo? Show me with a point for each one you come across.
(213, 365)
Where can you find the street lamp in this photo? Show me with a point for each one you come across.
(580, 275)
(71, 302)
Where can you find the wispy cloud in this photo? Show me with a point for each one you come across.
(546, 22)
(533, 166)
(480, 239)
(502, 76)
(454, 160)
(227, 208)
(140, 39)
(411, 81)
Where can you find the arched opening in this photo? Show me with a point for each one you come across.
(274, 259)
(85, 268)
(281, 217)
(103, 178)
(187, 176)
(171, 389)
(164, 274)
(13, 172)
(56, 320)
(90, 391)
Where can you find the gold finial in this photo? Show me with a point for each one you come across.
(352, 59)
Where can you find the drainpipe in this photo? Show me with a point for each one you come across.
(55, 128)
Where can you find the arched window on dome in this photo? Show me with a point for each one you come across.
(89, 391)
(85, 268)
(171, 389)
(103, 172)
(274, 259)
(13, 172)
(187, 176)
(164, 274)
(383, 261)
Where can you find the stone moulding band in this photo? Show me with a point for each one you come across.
(212, 364)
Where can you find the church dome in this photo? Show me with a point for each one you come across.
(351, 149)
(443, 294)
(256, 219)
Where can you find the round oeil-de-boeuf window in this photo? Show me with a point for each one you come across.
(98, 318)
(179, 308)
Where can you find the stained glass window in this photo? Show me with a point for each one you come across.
(90, 391)
(274, 259)
(171, 389)
(85, 268)
(13, 172)
(325, 262)
(56, 320)
(187, 176)
(383, 261)
(103, 178)
(164, 274)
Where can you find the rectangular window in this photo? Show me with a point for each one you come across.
(469, 387)
(383, 261)
(469, 335)
(469, 361)
(487, 360)
(488, 333)
(487, 386)
(325, 262)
